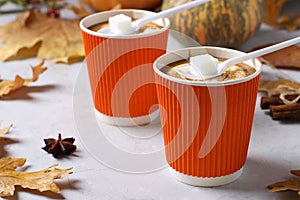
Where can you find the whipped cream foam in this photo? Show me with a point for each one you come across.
(182, 69)
(147, 28)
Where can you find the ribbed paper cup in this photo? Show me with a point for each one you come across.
(120, 69)
(206, 125)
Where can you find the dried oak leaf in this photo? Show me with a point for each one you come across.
(40, 180)
(4, 130)
(291, 184)
(288, 58)
(295, 172)
(289, 22)
(79, 10)
(34, 34)
(8, 86)
(279, 86)
(275, 18)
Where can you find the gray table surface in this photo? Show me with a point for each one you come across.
(52, 105)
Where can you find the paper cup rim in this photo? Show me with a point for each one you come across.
(205, 83)
(83, 27)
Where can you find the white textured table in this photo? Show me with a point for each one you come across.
(52, 105)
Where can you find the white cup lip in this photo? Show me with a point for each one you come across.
(202, 49)
(165, 22)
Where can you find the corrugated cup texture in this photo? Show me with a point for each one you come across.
(195, 145)
(121, 74)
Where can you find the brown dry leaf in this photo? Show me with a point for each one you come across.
(7, 86)
(288, 22)
(272, 11)
(288, 58)
(117, 7)
(285, 58)
(79, 10)
(274, 18)
(40, 180)
(295, 172)
(291, 184)
(35, 34)
(279, 86)
(4, 130)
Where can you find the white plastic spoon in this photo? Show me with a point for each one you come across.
(221, 67)
(140, 22)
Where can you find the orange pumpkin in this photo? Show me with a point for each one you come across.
(220, 22)
(101, 5)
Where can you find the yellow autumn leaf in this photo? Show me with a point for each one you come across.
(34, 34)
(39, 180)
(291, 184)
(272, 11)
(79, 10)
(8, 86)
(279, 86)
(275, 16)
(5, 130)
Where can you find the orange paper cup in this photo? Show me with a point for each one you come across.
(120, 69)
(206, 125)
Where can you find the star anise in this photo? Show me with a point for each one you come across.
(60, 146)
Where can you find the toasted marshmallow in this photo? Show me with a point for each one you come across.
(120, 24)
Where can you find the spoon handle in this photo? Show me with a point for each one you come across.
(257, 53)
(138, 23)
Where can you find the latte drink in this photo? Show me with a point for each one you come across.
(206, 124)
(120, 67)
(234, 72)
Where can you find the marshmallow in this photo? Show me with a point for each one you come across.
(203, 65)
(120, 24)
